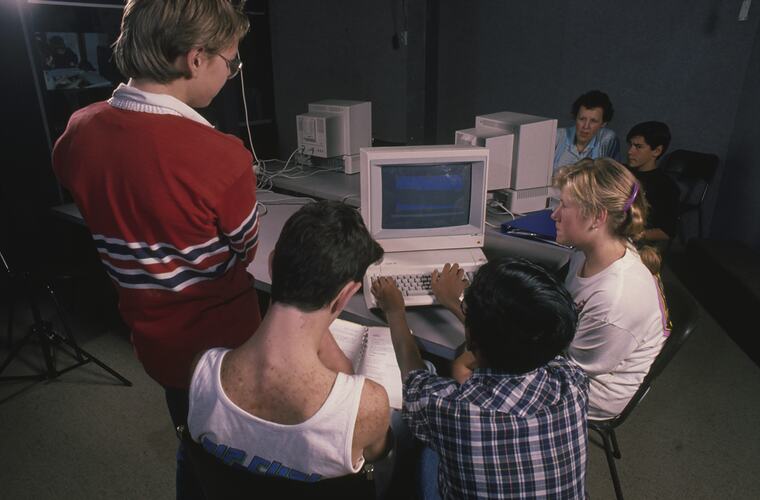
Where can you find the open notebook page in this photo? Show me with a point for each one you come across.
(370, 350)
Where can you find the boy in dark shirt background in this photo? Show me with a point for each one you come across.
(647, 142)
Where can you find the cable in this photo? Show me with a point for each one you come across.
(299, 149)
(348, 197)
(245, 119)
(296, 171)
(301, 200)
(505, 209)
(259, 166)
(304, 174)
(265, 177)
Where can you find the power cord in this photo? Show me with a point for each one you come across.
(256, 164)
(495, 203)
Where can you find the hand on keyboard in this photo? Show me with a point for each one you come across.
(387, 294)
(425, 288)
(448, 285)
(410, 284)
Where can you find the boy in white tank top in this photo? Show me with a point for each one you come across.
(286, 402)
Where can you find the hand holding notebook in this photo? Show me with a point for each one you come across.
(370, 350)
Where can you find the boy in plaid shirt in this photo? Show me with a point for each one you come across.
(516, 428)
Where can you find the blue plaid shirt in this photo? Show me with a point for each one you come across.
(504, 436)
(604, 144)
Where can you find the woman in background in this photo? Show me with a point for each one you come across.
(589, 136)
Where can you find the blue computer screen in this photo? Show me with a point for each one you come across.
(426, 196)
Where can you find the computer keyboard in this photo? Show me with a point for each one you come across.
(412, 284)
(412, 271)
(416, 287)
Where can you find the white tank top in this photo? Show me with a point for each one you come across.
(318, 448)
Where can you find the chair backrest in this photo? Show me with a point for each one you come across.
(221, 481)
(683, 311)
(692, 171)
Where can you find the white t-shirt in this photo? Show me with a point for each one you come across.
(621, 329)
(317, 448)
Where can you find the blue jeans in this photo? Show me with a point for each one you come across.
(188, 486)
(428, 475)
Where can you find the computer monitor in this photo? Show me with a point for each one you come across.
(500, 143)
(417, 198)
(522, 156)
(335, 127)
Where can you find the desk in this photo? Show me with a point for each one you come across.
(69, 212)
(331, 185)
(437, 330)
(319, 183)
(497, 244)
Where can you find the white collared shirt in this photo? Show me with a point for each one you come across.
(125, 96)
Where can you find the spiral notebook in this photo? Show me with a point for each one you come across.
(370, 350)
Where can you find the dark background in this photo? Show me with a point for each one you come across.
(430, 66)
(691, 64)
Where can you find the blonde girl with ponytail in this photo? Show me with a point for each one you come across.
(622, 317)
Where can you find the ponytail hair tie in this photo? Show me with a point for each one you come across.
(632, 198)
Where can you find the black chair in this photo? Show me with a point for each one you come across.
(684, 314)
(692, 172)
(221, 481)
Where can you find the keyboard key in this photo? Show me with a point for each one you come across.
(411, 285)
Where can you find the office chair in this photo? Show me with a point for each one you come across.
(692, 172)
(221, 481)
(684, 314)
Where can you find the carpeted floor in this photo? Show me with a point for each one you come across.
(83, 435)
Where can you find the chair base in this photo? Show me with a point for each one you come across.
(611, 451)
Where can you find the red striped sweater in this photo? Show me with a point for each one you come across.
(171, 204)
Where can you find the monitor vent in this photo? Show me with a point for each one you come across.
(320, 126)
(490, 123)
(532, 193)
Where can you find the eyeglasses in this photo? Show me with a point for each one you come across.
(234, 65)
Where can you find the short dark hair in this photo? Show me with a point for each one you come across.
(654, 134)
(595, 99)
(518, 316)
(322, 247)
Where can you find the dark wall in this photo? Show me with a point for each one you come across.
(27, 185)
(340, 49)
(687, 62)
(736, 216)
(682, 62)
